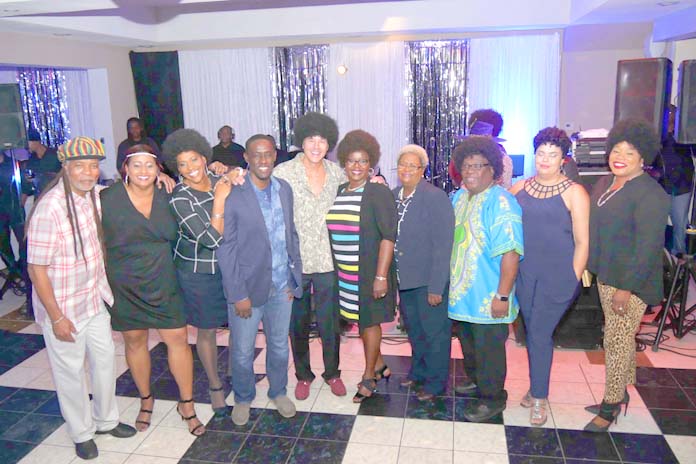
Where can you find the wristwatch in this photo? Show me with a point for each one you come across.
(502, 297)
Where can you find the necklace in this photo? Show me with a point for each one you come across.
(348, 189)
(606, 196)
(538, 190)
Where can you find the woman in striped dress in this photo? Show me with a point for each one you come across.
(362, 231)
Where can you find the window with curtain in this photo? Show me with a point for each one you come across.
(437, 76)
(299, 85)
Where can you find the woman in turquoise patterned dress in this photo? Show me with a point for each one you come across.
(362, 231)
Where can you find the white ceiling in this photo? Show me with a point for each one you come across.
(174, 22)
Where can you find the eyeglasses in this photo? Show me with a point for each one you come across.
(476, 167)
(361, 162)
(409, 167)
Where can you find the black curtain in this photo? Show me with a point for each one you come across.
(158, 92)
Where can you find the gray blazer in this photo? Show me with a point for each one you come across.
(425, 240)
(244, 255)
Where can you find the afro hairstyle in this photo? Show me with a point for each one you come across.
(182, 140)
(479, 145)
(312, 124)
(358, 140)
(489, 116)
(638, 133)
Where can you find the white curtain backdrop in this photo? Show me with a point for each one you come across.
(518, 76)
(79, 103)
(232, 87)
(371, 95)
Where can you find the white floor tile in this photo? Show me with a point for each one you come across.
(638, 420)
(570, 393)
(683, 447)
(140, 459)
(33, 328)
(20, 376)
(421, 455)
(44, 454)
(420, 433)
(465, 457)
(173, 418)
(60, 437)
(304, 405)
(159, 412)
(480, 438)
(515, 414)
(377, 430)
(567, 373)
(570, 416)
(40, 359)
(105, 457)
(361, 453)
(43, 381)
(168, 442)
(329, 403)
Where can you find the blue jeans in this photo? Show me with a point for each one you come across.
(680, 216)
(275, 315)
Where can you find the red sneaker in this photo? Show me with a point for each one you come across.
(337, 387)
(302, 389)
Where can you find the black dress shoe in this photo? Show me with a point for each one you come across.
(120, 431)
(483, 411)
(86, 450)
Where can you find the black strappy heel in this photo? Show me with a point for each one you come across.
(367, 384)
(190, 418)
(146, 411)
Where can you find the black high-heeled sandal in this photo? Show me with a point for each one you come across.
(381, 373)
(369, 385)
(594, 408)
(146, 411)
(607, 411)
(222, 411)
(190, 418)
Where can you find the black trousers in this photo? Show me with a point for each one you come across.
(430, 334)
(485, 361)
(325, 296)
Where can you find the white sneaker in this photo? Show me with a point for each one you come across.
(286, 407)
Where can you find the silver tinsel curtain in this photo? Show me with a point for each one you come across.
(437, 76)
(44, 103)
(299, 85)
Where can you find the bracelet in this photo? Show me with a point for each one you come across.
(380, 277)
(218, 216)
(58, 320)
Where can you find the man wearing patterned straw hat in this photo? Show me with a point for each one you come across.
(66, 266)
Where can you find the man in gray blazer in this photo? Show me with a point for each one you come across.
(261, 273)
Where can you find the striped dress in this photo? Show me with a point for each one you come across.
(343, 221)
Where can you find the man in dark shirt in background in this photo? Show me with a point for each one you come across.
(136, 135)
(227, 151)
(42, 166)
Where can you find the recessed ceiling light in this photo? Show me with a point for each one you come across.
(668, 2)
(342, 69)
(9, 10)
(62, 34)
(145, 46)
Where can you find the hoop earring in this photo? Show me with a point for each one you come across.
(126, 179)
(371, 172)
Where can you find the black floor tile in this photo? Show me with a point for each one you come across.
(654, 377)
(461, 403)
(50, 407)
(675, 422)
(652, 449)
(317, 452)
(440, 408)
(518, 459)
(685, 377)
(532, 441)
(13, 451)
(6, 392)
(398, 364)
(215, 447)
(690, 392)
(33, 428)
(328, 426)
(388, 405)
(8, 419)
(15, 355)
(664, 398)
(165, 388)
(588, 461)
(225, 424)
(268, 450)
(272, 423)
(578, 444)
(26, 400)
(125, 385)
(393, 384)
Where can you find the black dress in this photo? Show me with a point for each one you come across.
(139, 263)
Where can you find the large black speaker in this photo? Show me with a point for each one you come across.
(685, 123)
(12, 131)
(643, 89)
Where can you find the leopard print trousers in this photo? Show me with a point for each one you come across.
(619, 343)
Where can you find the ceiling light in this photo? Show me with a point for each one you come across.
(62, 34)
(342, 69)
(668, 2)
(9, 11)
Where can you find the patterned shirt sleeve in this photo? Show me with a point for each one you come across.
(194, 227)
(505, 219)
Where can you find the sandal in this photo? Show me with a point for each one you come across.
(368, 385)
(190, 418)
(146, 423)
(222, 411)
(381, 373)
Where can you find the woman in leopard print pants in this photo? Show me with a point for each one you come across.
(627, 225)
